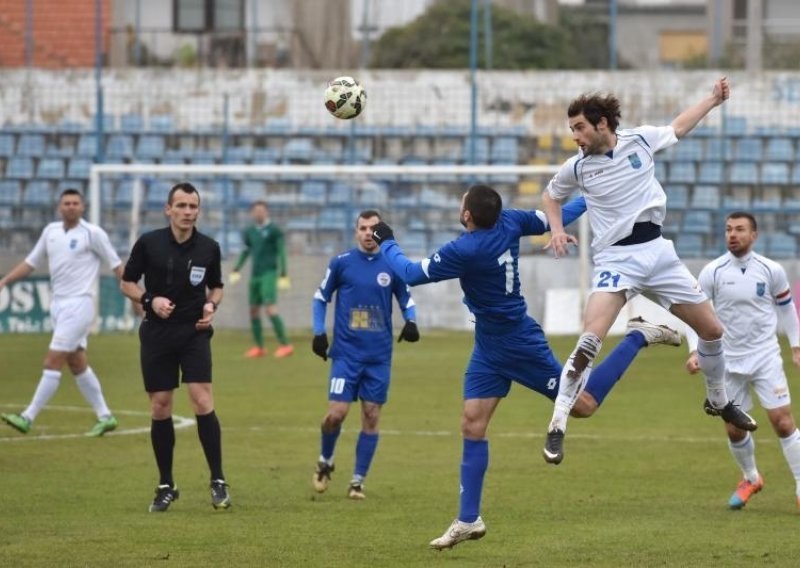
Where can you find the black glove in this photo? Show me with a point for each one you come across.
(410, 332)
(382, 232)
(320, 345)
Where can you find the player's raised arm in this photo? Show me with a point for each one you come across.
(559, 239)
(445, 264)
(688, 119)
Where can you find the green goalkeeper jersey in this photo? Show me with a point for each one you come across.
(264, 243)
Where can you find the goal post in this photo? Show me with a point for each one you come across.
(312, 201)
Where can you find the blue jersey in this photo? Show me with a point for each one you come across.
(486, 261)
(364, 285)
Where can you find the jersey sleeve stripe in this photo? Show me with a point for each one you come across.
(425, 264)
(786, 301)
(786, 292)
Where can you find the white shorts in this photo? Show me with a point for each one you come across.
(72, 320)
(767, 377)
(652, 269)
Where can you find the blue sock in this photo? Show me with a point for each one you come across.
(474, 462)
(606, 374)
(329, 443)
(365, 449)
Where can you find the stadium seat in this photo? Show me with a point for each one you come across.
(661, 171)
(131, 123)
(31, 145)
(689, 245)
(415, 243)
(705, 197)
(481, 150)
(19, 168)
(734, 125)
(718, 149)
(87, 146)
(10, 192)
(251, 191)
(266, 156)
(7, 145)
(298, 150)
(697, 222)
(711, 173)
(745, 173)
(162, 123)
(682, 172)
(123, 197)
(796, 174)
(203, 157)
(109, 123)
(372, 194)
(157, 191)
(50, 168)
(333, 219)
(689, 149)
(150, 146)
(302, 223)
(779, 150)
(312, 192)
(677, 196)
(775, 173)
(238, 155)
(504, 151)
(38, 193)
(781, 245)
(738, 199)
(748, 150)
(120, 146)
(340, 193)
(66, 150)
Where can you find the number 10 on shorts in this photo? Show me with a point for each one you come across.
(337, 385)
(607, 279)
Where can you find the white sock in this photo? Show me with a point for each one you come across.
(48, 385)
(571, 386)
(791, 451)
(712, 363)
(92, 392)
(744, 452)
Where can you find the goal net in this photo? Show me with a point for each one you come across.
(317, 205)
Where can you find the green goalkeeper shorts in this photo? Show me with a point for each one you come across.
(264, 289)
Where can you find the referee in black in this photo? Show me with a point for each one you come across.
(183, 287)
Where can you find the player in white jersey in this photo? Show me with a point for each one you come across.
(753, 299)
(74, 250)
(614, 170)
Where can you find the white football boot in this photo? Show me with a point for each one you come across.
(459, 532)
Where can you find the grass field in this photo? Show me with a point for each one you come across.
(644, 483)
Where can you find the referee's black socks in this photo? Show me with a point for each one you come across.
(211, 439)
(162, 435)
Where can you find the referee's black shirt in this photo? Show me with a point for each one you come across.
(180, 272)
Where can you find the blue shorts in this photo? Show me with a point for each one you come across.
(353, 380)
(520, 354)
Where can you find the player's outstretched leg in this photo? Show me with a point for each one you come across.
(744, 453)
(90, 388)
(572, 382)
(365, 451)
(468, 525)
(325, 467)
(47, 387)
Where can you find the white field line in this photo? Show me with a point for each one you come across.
(179, 421)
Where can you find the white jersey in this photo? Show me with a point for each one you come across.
(746, 292)
(73, 257)
(620, 187)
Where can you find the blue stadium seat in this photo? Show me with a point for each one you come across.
(340, 193)
(775, 173)
(779, 150)
(734, 125)
(689, 149)
(31, 145)
(239, 155)
(298, 150)
(745, 173)
(157, 191)
(123, 197)
(748, 150)
(312, 192)
(661, 171)
(150, 146)
(162, 123)
(689, 245)
(739, 201)
(266, 156)
(705, 197)
(781, 245)
(682, 172)
(87, 146)
(481, 150)
(38, 193)
(109, 122)
(505, 150)
(7, 145)
(66, 150)
(711, 172)
(718, 149)
(770, 202)
(677, 196)
(10, 192)
(252, 190)
(131, 123)
(120, 146)
(302, 223)
(372, 194)
(697, 222)
(333, 219)
(204, 157)
(50, 168)
(19, 168)
(415, 243)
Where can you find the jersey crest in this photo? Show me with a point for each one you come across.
(73, 244)
(761, 288)
(636, 163)
(196, 275)
(384, 279)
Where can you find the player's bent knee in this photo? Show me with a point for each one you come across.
(783, 424)
(585, 406)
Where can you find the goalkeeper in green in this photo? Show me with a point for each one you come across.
(264, 242)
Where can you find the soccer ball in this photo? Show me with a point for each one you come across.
(345, 98)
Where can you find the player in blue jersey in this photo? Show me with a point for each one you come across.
(362, 345)
(509, 344)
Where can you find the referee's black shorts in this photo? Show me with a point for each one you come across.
(174, 352)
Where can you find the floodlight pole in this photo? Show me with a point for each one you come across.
(473, 66)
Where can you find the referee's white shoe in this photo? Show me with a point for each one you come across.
(654, 334)
(459, 532)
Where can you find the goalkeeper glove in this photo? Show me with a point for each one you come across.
(284, 283)
(410, 332)
(382, 232)
(319, 345)
(234, 277)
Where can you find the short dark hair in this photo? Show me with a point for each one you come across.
(185, 187)
(260, 202)
(367, 213)
(70, 191)
(743, 215)
(484, 204)
(595, 106)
